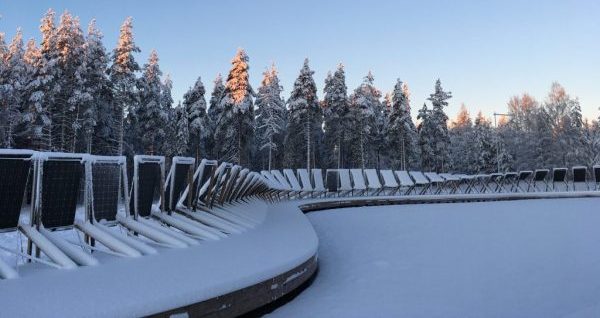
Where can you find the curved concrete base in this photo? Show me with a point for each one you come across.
(249, 298)
(339, 203)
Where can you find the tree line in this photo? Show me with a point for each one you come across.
(69, 94)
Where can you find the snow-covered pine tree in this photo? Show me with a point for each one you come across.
(182, 134)
(97, 118)
(122, 74)
(439, 121)
(195, 108)
(4, 76)
(383, 151)
(337, 118)
(483, 145)
(461, 144)
(270, 121)
(46, 85)
(235, 130)
(166, 103)
(402, 137)
(151, 115)
(488, 149)
(214, 115)
(305, 119)
(379, 138)
(70, 99)
(31, 129)
(13, 89)
(363, 138)
(176, 132)
(426, 130)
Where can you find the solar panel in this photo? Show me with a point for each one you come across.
(61, 180)
(579, 174)
(218, 184)
(180, 181)
(559, 174)
(229, 183)
(332, 180)
(106, 181)
(148, 184)
(205, 176)
(540, 175)
(14, 171)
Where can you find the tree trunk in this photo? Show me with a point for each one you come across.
(270, 151)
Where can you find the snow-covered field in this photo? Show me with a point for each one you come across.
(532, 258)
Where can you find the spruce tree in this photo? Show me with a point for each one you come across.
(195, 108)
(303, 131)
(401, 131)
(214, 115)
(270, 121)
(337, 119)
(151, 114)
(71, 99)
(97, 120)
(364, 133)
(235, 131)
(4, 76)
(31, 130)
(46, 86)
(182, 134)
(13, 89)
(122, 74)
(426, 131)
(484, 145)
(439, 121)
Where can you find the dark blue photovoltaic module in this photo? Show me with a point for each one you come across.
(106, 178)
(147, 185)
(61, 181)
(14, 171)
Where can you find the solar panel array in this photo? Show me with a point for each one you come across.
(106, 179)
(14, 171)
(61, 180)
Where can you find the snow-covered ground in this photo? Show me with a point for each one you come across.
(532, 258)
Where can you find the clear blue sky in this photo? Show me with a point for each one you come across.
(484, 51)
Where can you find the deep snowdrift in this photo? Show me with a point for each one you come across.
(532, 258)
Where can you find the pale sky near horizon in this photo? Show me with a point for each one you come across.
(483, 51)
